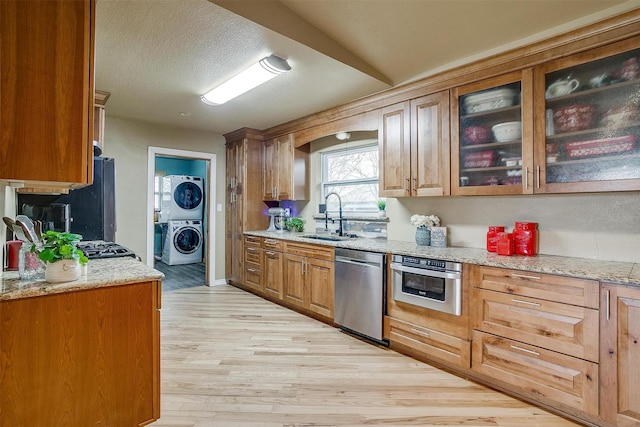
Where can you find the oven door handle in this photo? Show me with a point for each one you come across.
(424, 272)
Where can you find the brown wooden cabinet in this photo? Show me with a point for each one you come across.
(272, 272)
(308, 281)
(47, 97)
(430, 334)
(492, 136)
(81, 358)
(619, 355)
(537, 334)
(414, 147)
(285, 170)
(589, 142)
(243, 197)
(253, 263)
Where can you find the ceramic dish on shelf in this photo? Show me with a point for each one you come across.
(476, 135)
(574, 118)
(602, 147)
(489, 100)
(508, 131)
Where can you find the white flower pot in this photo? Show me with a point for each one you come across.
(382, 214)
(66, 270)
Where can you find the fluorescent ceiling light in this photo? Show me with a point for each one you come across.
(263, 71)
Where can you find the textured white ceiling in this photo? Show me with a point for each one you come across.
(157, 57)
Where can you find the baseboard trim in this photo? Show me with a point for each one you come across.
(219, 282)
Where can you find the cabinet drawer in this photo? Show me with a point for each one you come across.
(253, 241)
(432, 343)
(311, 251)
(253, 277)
(568, 290)
(253, 255)
(539, 372)
(563, 328)
(272, 244)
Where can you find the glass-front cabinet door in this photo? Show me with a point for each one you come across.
(491, 136)
(587, 121)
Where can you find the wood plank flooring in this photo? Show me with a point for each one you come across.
(232, 359)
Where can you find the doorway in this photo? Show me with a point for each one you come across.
(183, 272)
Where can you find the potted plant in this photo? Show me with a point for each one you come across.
(294, 223)
(382, 205)
(59, 250)
(423, 232)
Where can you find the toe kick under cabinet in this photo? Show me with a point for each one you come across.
(537, 335)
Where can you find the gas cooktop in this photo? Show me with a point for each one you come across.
(100, 249)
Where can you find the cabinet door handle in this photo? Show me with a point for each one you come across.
(524, 276)
(607, 302)
(251, 270)
(419, 332)
(519, 301)
(233, 198)
(526, 177)
(538, 176)
(270, 241)
(535, 353)
(251, 249)
(404, 183)
(414, 187)
(269, 253)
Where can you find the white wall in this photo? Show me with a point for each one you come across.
(127, 141)
(603, 226)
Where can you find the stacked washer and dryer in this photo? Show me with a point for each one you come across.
(182, 208)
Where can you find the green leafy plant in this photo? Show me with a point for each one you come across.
(294, 223)
(382, 204)
(60, 245)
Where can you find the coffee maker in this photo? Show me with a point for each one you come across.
(276, 222)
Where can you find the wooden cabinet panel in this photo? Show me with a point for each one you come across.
(566, 290)
(563, 328)
(430, 171)
(619, 355)
(394, 142)
(285, 169)
(81, 358)
(272, 274)
(320, 283)
(312, 251)
(430, 342)
(47, 92)
(293, 280)
(541, 373)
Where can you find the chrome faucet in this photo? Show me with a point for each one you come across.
(340, 218)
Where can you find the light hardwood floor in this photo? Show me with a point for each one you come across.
(231, 359)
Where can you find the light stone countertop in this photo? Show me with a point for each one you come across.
(100, 273)
(606, 271)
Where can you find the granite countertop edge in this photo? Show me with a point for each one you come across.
(101, 273)
(626, 273)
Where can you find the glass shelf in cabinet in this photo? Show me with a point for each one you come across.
(497, 111)
(614, 87)
(490, 145)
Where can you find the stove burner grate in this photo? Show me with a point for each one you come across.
(96, 250)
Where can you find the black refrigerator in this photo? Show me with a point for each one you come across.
(91, 209)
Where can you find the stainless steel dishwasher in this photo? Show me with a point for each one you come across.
(360, 292)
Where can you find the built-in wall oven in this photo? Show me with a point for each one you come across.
(428, 283)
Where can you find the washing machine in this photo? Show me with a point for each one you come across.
(182, 198)
(183, 242)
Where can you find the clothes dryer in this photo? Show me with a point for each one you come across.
(182, 198)
(183, 242)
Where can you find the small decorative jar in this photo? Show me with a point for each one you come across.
(423, 236)
(492, 237)
(505, 244)
(525, 236)
(30, 267)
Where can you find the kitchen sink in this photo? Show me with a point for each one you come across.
(326, 237)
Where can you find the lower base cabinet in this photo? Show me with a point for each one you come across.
(272, 273)
(537, 372)
(620, 355)
(83, 358)
(309, 284)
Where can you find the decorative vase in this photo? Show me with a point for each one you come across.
(423, 236)
(66, 270)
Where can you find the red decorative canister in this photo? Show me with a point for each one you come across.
(492, 237)
(505, 244)
(525, 236)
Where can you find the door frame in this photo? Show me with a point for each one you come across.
(210, 191)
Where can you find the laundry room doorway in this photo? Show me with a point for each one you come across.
(181, 216)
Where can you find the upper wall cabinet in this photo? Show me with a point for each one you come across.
(46, 92)
(414, 147)
(491, 138)
(285, 170)
(588, 120)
